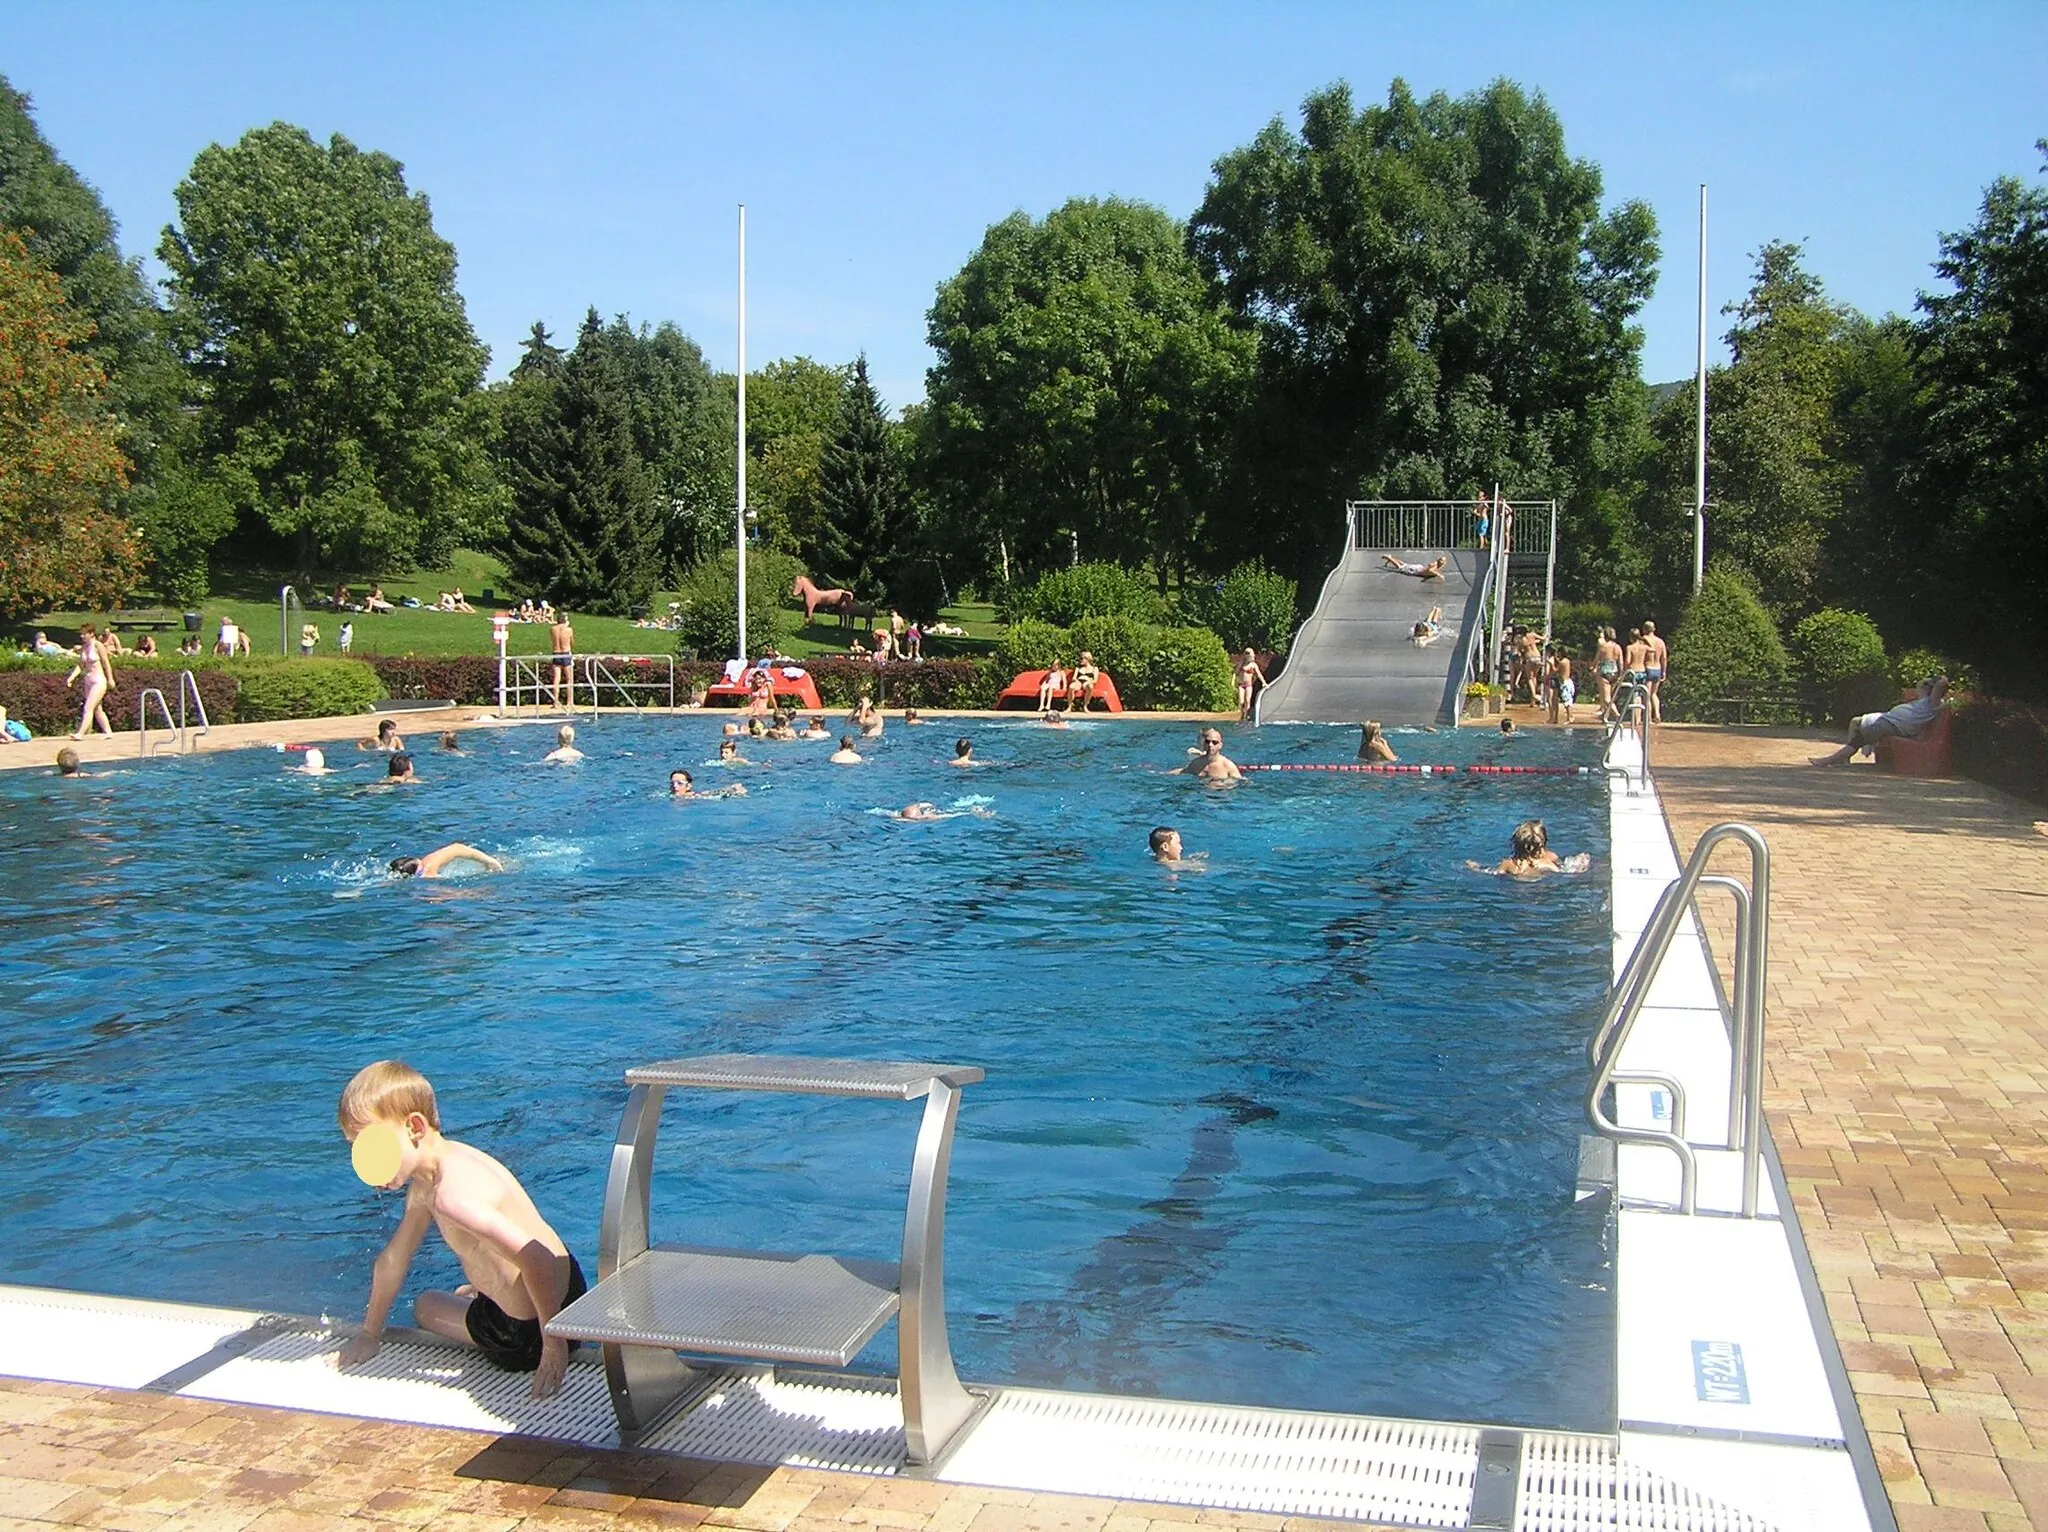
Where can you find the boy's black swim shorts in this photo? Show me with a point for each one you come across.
(514, 1344)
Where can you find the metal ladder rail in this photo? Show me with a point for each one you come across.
(1631, 990)
(596, 665)
(188, 686)
(1631, 710)
(171, 725)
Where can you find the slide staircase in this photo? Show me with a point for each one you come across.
(1355, 659)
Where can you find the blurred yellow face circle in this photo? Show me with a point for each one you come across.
(377, 1153)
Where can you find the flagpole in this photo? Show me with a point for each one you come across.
(1699, 505)
(740, 452)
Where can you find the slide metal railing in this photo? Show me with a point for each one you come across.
(1746, 1037)
(650, 675)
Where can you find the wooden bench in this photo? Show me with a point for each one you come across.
(655, 1300)
(154, 622)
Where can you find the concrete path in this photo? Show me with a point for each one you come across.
(1907, 1088)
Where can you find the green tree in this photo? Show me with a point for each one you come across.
(67, 229)
(1440, 304)
(586, 518)
(864, 532)
(1086, 384)
(1726, 645)
(793, 410)
(328, 351)
(1982, 479)
(61, 468)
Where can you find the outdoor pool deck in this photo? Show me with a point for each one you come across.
(1905, 1088)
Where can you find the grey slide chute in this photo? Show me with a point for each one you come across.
(1355, 659)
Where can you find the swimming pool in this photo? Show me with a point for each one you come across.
(1299, 1130)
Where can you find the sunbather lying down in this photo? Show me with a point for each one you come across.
(1433, 570)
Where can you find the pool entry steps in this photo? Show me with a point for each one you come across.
(653, 1301)
(1733, 1407)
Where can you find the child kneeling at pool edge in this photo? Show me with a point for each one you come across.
(520, 1273)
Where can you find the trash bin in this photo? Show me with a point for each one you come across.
(191, 622)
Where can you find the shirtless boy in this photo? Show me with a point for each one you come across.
(1656, 659)
(1167, 851)
(437, 861)
(520, 1273)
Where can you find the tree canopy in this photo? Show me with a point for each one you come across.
(1440, 303)
(329, 352)
(61, 466)
(1085, 389)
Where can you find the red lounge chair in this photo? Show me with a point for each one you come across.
(1023, 693)
(1931, 755)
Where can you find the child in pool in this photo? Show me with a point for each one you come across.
(1529, 855)
(520, 1273)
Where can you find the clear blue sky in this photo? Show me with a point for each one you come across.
(594, 153)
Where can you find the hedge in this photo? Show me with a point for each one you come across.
(278, 689)
(470, 679)
(2004, 744)
(1065, 596)
(1184, 669)
(39, 698)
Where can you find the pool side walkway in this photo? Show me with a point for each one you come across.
(1907, 1089)
(140, 1462)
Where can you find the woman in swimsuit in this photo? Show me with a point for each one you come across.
(1248, 675)
(1372, 742)
(97, 667)
(1606, 670)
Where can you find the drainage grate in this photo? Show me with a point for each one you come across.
(1412, 1473)
(1577, 1484)
(749, 1415)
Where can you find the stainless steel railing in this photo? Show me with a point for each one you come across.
(1746, 1033)
(597, 671)
(179, 728)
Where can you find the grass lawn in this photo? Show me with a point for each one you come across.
(251, 598)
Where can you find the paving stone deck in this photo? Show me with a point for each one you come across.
(1906, 1082)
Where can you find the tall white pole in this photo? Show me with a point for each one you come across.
(1699, 507)
(740, 450)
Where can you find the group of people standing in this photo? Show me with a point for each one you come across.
(1542, 672)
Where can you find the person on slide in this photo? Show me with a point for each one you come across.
(1433, 570)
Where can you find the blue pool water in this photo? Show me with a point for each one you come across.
(1298, 1130)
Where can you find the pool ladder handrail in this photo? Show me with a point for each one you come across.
(1631, 990)
(1631, 710)
(597, 670)
(178, 728)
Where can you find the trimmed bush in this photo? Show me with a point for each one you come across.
(1252, 608)
(37, 696)
(1028, 644)
(1189, 671)
(1122, 648)
(1833, 645)
(1576, 624)
(470, 679)
(1065, 596)
(1725, 646)
(708, 613)
(280, 689)
(1917, 664)
(2004, 744)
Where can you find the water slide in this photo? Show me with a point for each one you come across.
(1354, 658)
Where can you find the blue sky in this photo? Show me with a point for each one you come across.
(594, 153)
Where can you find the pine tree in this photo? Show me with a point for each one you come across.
(585, 528)
(864, 522)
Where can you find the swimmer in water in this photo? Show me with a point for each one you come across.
(315, 765)
(910, 718)
(1210, 764)
(434, 863)
(565, 752)
(680, 786)
(1052, 720)
(815, 729)
(729, 754)
(387, 737)
(451, 742)
(1372, 742)
(845, 755)
(931, 811)
(399, 769)
(67, 763)
(1507, 728)
(1529, 855)
(963, 753)
(1167, 852)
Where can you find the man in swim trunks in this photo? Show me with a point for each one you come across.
(437, 861)
(562, 667)
(1210, 763)
(520, 1272)
(1167, 852)
(1656, 659)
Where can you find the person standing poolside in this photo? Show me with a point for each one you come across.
(1606, 671)
(1635, 659)
(562, 666)
(1249, 679)
(1372, 742)
(1657, 661)
(845, 755)
(1210, 763)
(1565, 689)
(96, 668)
(520, 1272)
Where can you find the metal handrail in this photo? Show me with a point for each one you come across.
(287, 598)
(188, 685)
(597, 667)
(1631, 709)
(1631, 990)
(171, 725)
